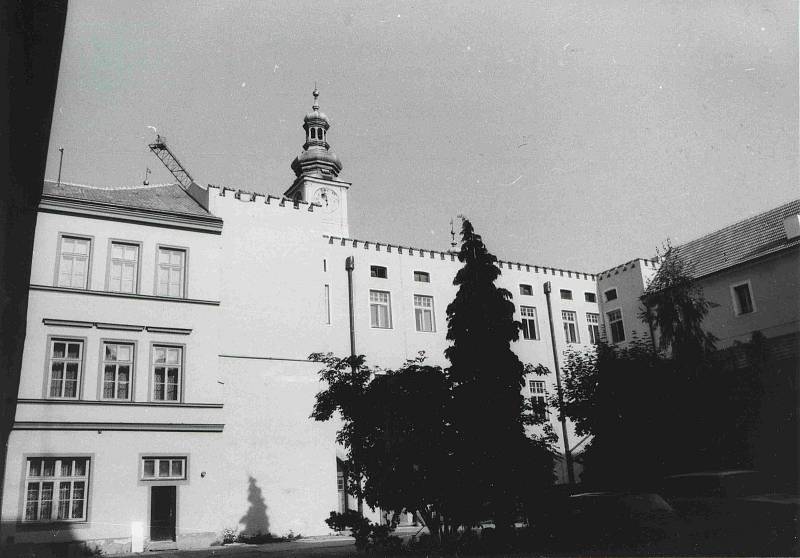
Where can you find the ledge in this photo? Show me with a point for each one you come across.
(118, 426)
(118, 403)
(123, 295)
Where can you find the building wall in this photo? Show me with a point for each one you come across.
(630, 280)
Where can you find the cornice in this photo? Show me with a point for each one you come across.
(118, 403)
(119, 426)
(153, 217)
(50, 288)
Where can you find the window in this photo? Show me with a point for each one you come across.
(611, 294)
(171, 272)
(167, 365)
(327, 302)
(530, 329)
(123, 271)
(66, 361)
(56, 488)
(590, 297)
(570, 326)
(538, 398)
(73, 262)
(422, 277)
(377, 271)
(566, 294)
(594, 327)
(161, 468)
(380, 311)
(525, 290)
(616, 326)
(117, 370)
(423, 313)
(742, 299)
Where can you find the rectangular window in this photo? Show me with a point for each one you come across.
(380, 310)
(615, 326)
(525, 290)
(73, 262)
(570, 326)
(327, 302)
(538, 398)
(66, 362)
(742, 299)
(611, 294)
(171, 272)
(594, 327)
(56, 488)
(590, 297)
(377, 271)
(117, 370)
(163, 468)
(167, 372)
(566, 294)
(422, 277)
(123, 272)
(530, 327)
(423, 313)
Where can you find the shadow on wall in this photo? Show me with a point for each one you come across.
(255, 521)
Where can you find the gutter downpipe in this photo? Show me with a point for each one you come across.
(349, 266)
(567, 453)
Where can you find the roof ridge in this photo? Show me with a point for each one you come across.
(112, 188)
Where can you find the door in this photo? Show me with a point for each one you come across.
(162, 513)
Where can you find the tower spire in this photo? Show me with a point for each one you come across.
(317, 158)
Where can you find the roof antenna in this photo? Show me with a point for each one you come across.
(452, 236)
(60, 162)
(145, 182)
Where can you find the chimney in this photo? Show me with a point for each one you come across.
(791, 225)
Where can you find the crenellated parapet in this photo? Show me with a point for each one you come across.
(636, 263)
(259, 198)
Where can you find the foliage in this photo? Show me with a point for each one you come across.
(368, 535)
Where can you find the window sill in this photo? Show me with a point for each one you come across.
(118, 403)
(123, 295)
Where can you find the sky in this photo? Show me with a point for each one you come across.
(578, 135)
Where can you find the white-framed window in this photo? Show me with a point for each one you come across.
(327, 303)
(538, 392)
(593, 320)
(171, 272)
(380, 309)
(422, 277)
(616, 326)
(65, 367)
(530, 325)
(570, 320)
(117, 370)
(73, 262)
(525, 290)
(566, 294)
(589, 297)
(167, 371)
(743, 302)
(611, 294)
(56, 489)
(378, 271)
(123, 270)
(423, 313)
(163, 468)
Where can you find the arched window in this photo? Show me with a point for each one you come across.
(313, 133)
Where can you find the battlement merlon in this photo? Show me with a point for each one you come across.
(246, 196)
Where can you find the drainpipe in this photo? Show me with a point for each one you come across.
(567, 453)
(349, 266)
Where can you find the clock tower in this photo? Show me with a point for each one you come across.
(316, 170)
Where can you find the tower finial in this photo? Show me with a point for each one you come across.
(316, 94)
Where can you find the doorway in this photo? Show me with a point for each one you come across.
(162, 513)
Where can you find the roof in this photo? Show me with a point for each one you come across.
(741, 242)
(158, 197)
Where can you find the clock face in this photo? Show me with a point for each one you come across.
(327, 198)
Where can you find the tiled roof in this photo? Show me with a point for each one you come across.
(161, 197)
(746, 240)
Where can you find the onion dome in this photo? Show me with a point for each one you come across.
(317, 157)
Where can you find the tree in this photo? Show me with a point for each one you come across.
(489, 442)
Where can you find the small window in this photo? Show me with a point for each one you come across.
(566, 294)
(611, 294)
(56, 489)
(422, 277)
(123, 269)
(570, 321)
(325, 265)
(590, 297)
(313, 133)
(538, 393)
(327, 303)
(117, 370)
(380, 310)
(594, 327)
(742, 299)
(66, 363)
(73, 262)
(525, 290)
(377, 271)
(171, 272)
(530, 327)
(163, 468)
(423, 313)
(616, 326)
(167, 369)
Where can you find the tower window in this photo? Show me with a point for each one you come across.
(313, 133)
(377, 271)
